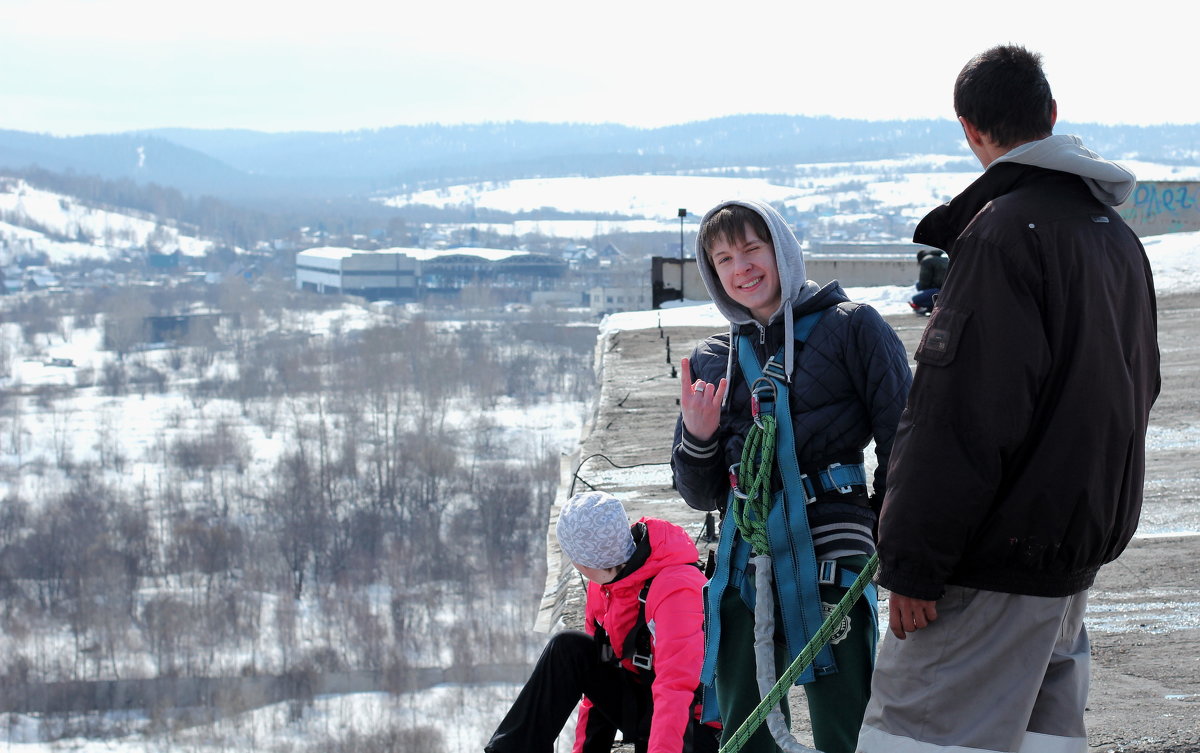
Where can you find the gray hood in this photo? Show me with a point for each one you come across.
(1109, 182)
(794, 285)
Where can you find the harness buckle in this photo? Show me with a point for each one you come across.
(642, 661)
(810, 492)
(841, 489)
(773, 368)
(827, 572)
(762, 390)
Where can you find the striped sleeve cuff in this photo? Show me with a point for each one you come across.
(698, 450)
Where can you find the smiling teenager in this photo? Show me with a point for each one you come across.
(834, 376)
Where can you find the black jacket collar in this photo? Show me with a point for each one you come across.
(944, 224)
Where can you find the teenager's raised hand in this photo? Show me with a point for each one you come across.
(700, 403)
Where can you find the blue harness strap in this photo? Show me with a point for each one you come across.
(796, 587)
(845, 579)
(789, 537)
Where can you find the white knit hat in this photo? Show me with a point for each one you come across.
(593, 531)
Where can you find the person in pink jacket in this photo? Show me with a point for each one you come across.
(637, 666)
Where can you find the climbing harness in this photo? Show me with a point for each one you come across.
(638, 646)
(772, 536)
(639, 641)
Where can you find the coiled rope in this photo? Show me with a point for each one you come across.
(750, 507)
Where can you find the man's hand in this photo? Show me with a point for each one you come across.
(700, 403)
(907, 615)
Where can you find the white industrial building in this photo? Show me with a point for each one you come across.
(613, 298)
(385, 273)
(422, 273)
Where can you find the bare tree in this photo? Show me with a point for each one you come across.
(124, 320)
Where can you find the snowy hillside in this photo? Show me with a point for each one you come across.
(841, 192)
(869, 200)
(35, 222)
(880, 199)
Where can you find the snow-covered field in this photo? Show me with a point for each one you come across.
(839, 193)
(67, 230)
(905, 187)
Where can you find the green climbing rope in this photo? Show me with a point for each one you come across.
(754, 478)
(802, 661)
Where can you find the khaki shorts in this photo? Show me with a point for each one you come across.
(995, 672)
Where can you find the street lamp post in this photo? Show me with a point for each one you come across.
(682, 214)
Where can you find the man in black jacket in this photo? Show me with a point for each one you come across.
(1018, 463)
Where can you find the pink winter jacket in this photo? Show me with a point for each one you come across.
(675, 616)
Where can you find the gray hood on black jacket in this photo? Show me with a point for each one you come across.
(1109, 182)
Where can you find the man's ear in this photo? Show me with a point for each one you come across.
(980, 143)
(973, 134)
(1053, 113)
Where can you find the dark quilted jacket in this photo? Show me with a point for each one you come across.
(849, 386)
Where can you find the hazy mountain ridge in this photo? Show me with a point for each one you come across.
(142, 158)
(242, 188)
(240, 163)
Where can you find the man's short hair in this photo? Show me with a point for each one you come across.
(729, 223)
(1004, 93)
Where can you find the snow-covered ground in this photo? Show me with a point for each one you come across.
(838, 192)
(83, 422)
(900, 187)
(67, 230)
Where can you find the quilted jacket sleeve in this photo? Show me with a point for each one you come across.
(701, 476)
(882, 378)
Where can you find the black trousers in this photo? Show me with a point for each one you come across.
(571, 667)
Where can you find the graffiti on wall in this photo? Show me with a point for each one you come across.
(1164, 206)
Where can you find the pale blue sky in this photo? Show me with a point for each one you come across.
(92, 66)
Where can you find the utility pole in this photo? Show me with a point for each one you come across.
(682, 214)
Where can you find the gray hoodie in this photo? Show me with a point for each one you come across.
(1109, 182)
(794, 286)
